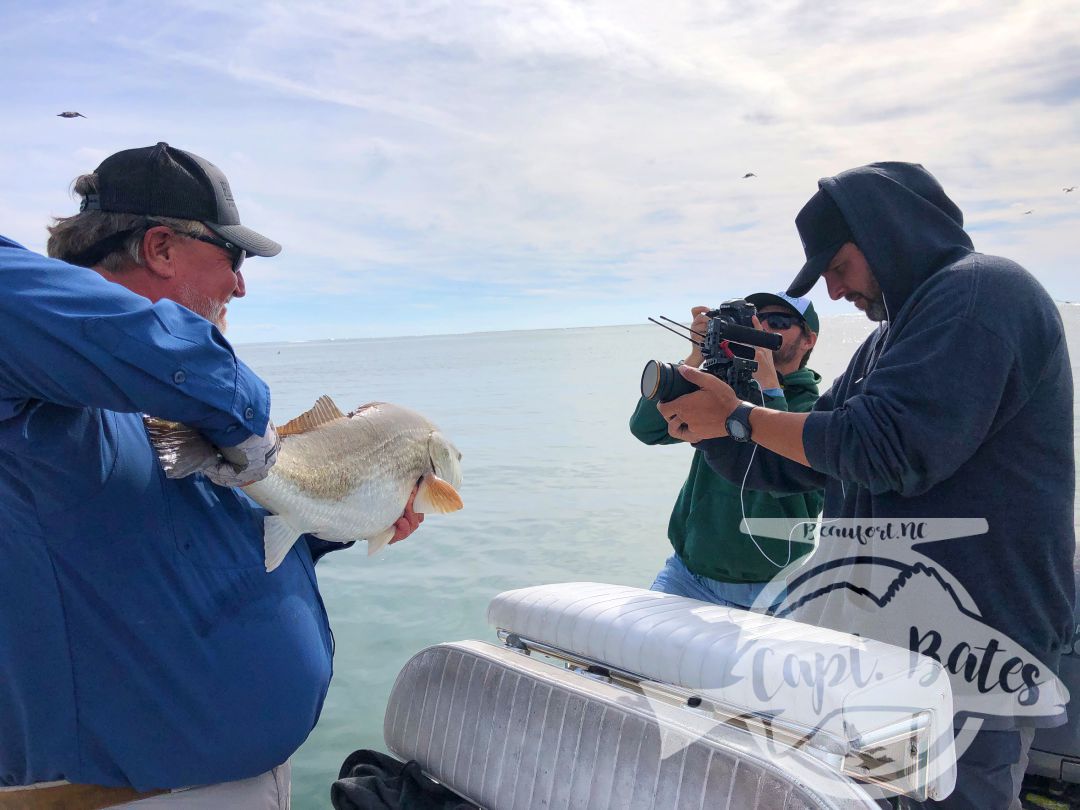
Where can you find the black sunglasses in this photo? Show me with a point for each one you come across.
(103, 247)
(238, 254)
(779, 320)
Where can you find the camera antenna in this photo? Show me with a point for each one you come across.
(680, 334)
(681, 326)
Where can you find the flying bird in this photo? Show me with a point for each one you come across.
(748, 174)
(1070, 188)
(1027, 212)
(70, 114)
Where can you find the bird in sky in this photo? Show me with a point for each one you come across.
(1070, 188)
(748, 174)
(70, 114)
(1027, 212)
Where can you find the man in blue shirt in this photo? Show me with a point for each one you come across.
(143, 646)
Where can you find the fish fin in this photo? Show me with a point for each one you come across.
(436, 495)
(279, 536)
(324, 410)
(181, 450)
(379, 541)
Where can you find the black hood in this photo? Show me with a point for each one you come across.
(902, 221)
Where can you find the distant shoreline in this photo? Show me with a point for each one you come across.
(487, 332)
(824, 317)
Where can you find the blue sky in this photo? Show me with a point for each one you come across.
(435, 167)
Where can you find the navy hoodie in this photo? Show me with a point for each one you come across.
(961, 406)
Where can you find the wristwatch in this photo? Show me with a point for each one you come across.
(738, 424)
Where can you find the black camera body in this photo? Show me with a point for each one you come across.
(728, 349)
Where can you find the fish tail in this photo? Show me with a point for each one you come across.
(279, 536)
(181, 450)
(436, 495)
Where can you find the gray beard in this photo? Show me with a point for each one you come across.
(876, 311)
(205, 306)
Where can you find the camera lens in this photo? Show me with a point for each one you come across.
(650, 379)
(663, 382)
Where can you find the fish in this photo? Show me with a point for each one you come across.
(340, 477)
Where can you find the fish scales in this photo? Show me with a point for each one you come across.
(350, 477)
(341, 478)
(339, 457)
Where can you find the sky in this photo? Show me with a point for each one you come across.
(461, 166)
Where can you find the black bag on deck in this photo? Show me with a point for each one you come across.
(370, 780)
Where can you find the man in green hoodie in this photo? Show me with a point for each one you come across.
(714, 561)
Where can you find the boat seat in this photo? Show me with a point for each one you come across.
(850, 697)
(510, 732)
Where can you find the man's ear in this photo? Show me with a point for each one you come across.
(811, 339)
(159, 251)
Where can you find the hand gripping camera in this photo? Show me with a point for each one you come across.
(728, 349)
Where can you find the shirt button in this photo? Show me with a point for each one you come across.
(179, 377)
(249, 413)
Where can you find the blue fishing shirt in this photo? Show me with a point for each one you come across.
(142, 642)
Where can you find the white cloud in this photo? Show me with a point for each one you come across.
(551, 145)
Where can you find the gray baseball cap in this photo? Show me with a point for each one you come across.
(164, 181)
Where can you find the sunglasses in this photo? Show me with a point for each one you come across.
(104, 247)
(779, 320)
(238, 254)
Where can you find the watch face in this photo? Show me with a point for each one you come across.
(737, 430)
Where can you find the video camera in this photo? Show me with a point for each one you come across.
(728, 349)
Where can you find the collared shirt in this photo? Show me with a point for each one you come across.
(142, 642)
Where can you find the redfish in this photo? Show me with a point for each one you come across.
(341, 477)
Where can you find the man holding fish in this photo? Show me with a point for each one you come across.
(145, 649)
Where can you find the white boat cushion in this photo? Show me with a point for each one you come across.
(512, 733)
(841, 686)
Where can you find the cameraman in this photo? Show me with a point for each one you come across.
(959, 406)
(714, 561)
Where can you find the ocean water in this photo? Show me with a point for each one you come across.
(555, 490)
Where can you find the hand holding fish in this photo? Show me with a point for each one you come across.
(409, 521)
(368, 475)
(247, 462)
